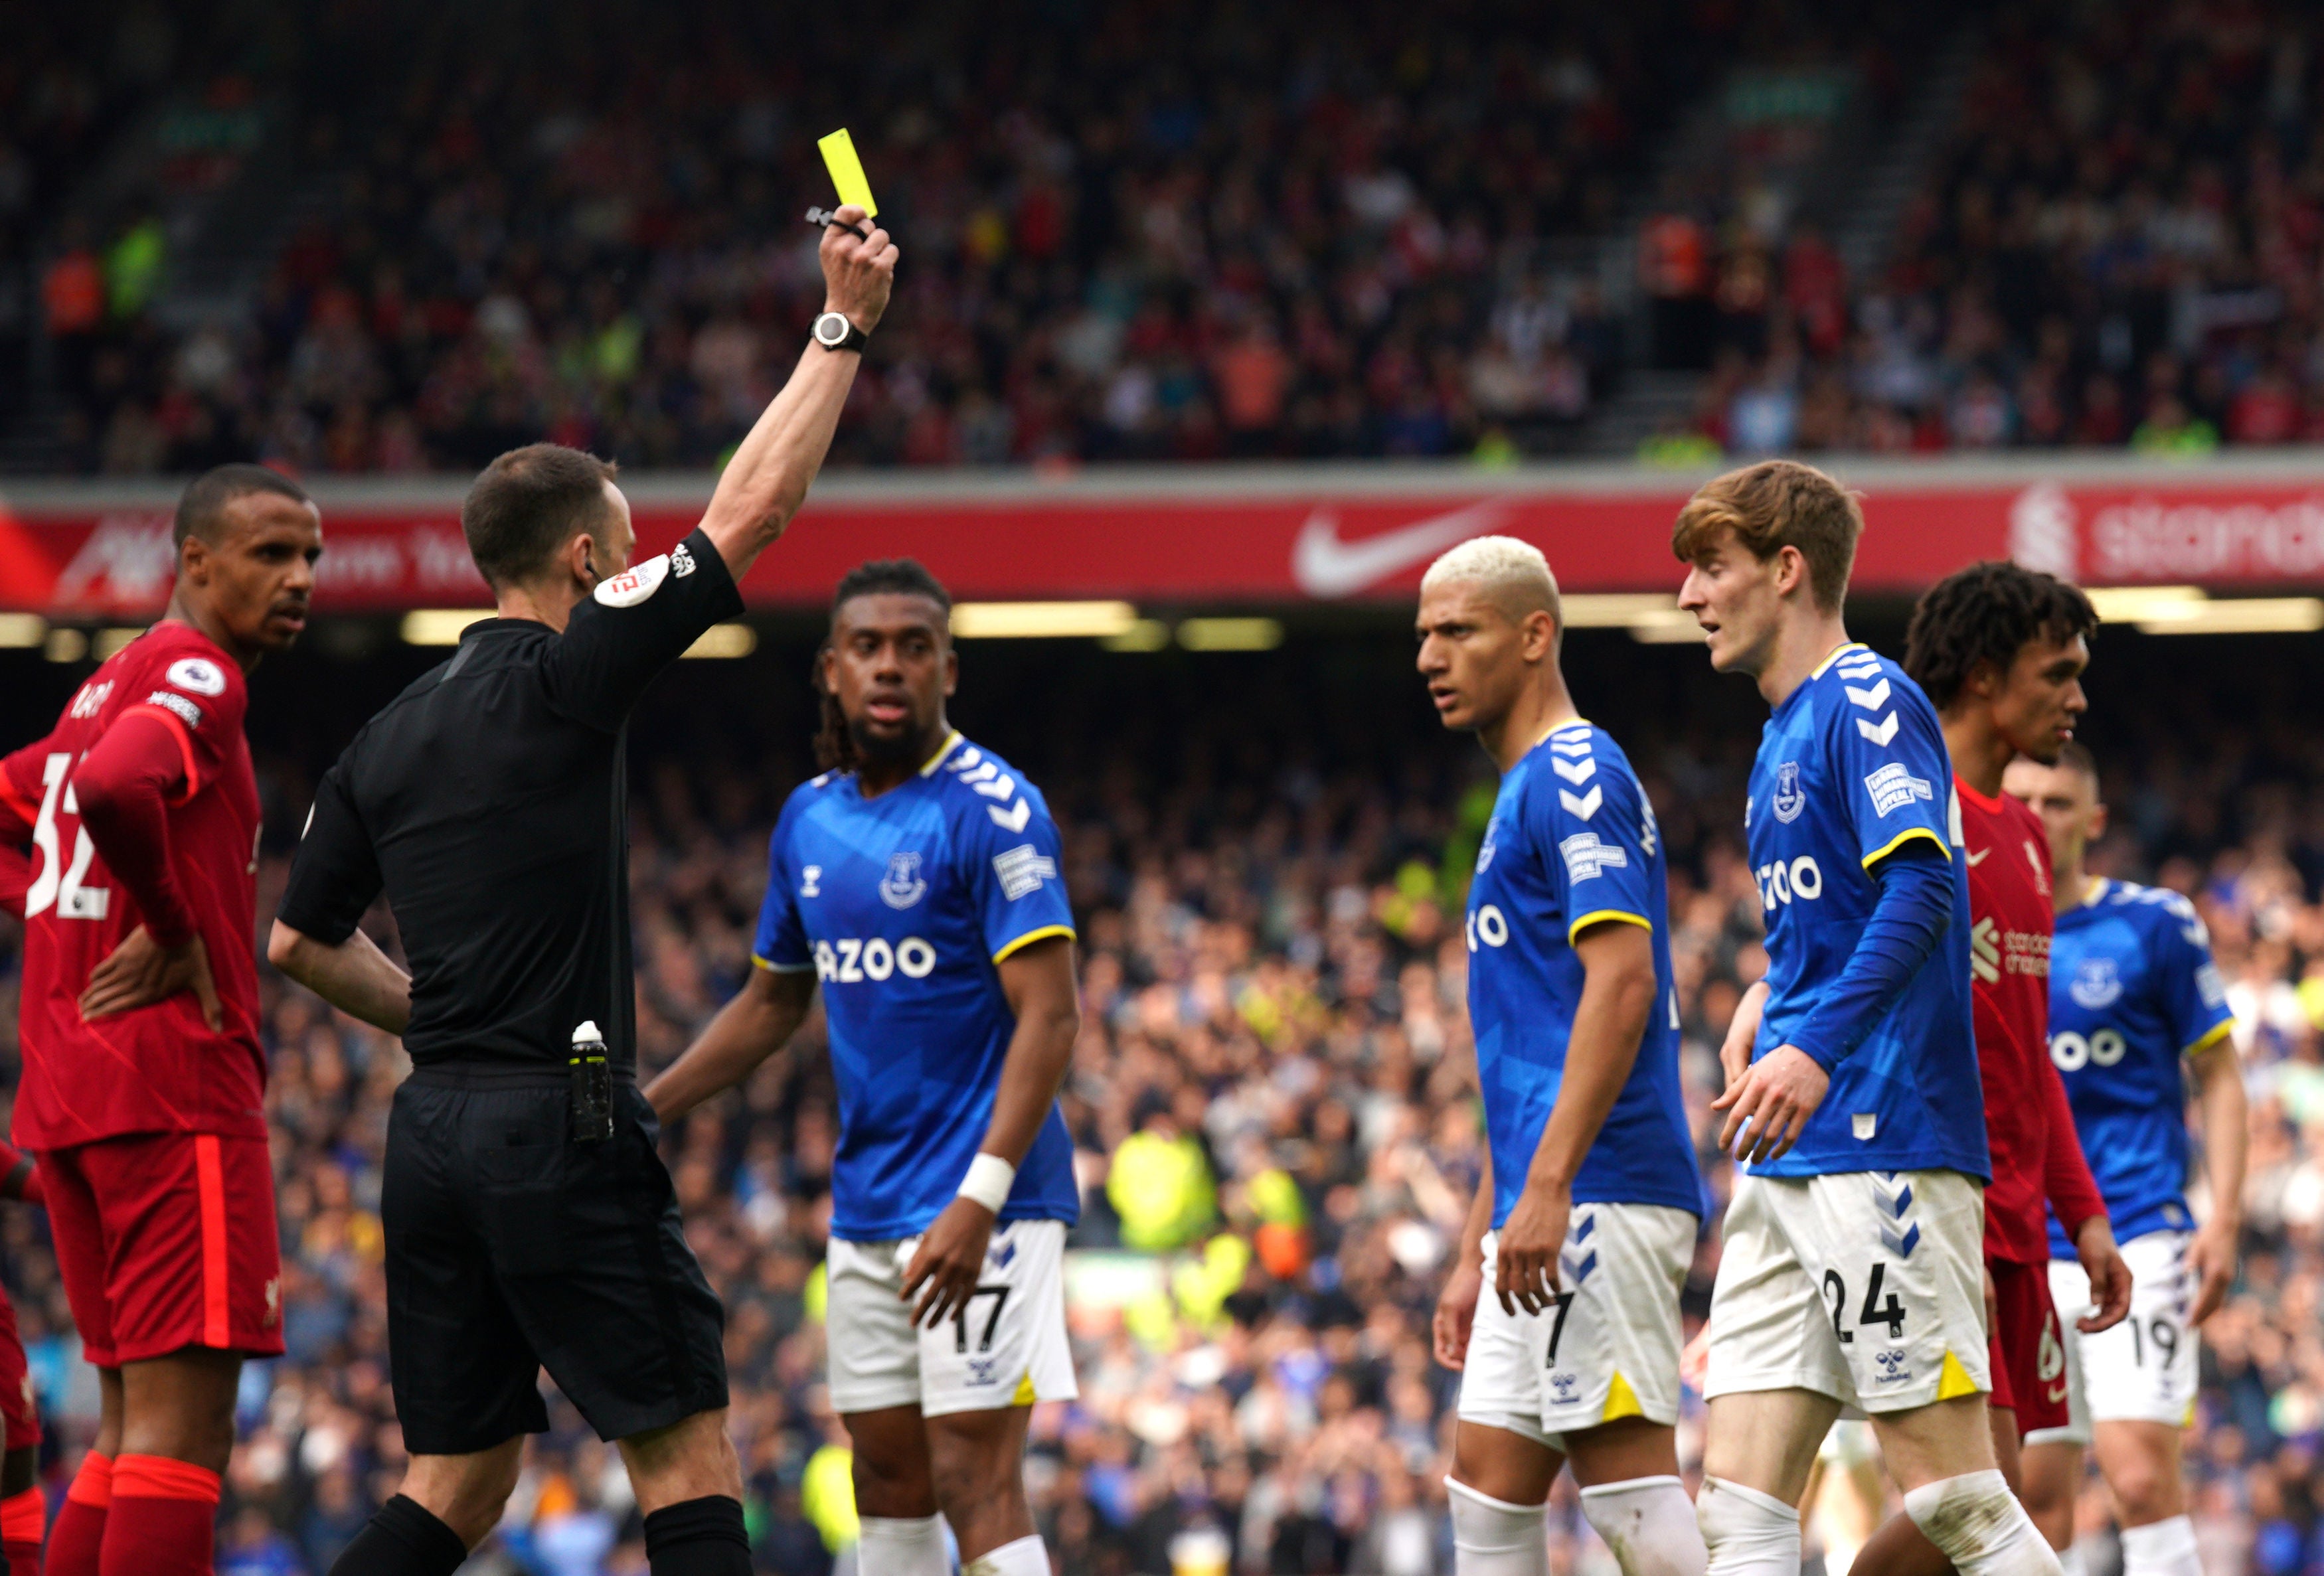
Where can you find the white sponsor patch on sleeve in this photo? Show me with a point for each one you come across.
(178, 704)
(198, 675)
(1022, 870)
(635, 584)
(1586, 857)
(1892, 788)
(2210, 986)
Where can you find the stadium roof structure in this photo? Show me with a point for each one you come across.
(1253, 535)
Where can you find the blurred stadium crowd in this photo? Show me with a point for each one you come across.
(1239, 231)
(1275, 1111)
(2120, 244)
(1233, 234)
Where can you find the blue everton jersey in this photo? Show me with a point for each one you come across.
(904, 906)
(1571, 843)
(2132, 989)
(1853, 766)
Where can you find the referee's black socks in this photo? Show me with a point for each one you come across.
(403, 1539)
(698, 1537)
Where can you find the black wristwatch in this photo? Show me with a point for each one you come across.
(832, 331)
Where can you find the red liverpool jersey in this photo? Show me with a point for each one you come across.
(159, 1068)
(2029, 1126)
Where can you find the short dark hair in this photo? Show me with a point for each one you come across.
(529, 503)
(1773, 506)
(1988, 612)
(2074, 755)
(834, 746)
(890, 577)
(203, 500)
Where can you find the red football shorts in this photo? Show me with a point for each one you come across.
(18, 1410)
(2029, 1356)
(167, 1240)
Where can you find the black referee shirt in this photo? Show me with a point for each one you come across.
(490, 802)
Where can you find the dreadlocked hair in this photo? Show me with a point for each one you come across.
(1988, 612)
(835, 745)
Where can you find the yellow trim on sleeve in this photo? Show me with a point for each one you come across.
(1893, 844)
(1842, 649)
(2217, 1033)
(1622, 916)
(773, 967)
(1030, 936)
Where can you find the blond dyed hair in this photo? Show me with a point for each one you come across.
(1513, 574)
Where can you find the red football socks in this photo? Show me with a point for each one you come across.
(24, 1519)
(163, 1521)
(74, 1540)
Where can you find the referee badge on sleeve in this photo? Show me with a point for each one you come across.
(635, 584)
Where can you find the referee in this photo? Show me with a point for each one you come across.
(530, 1222)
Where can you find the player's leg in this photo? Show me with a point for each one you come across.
(465, 1379)
(76, 1227)
(689, 1487)
(1503, 1459)
(874, 1357)
(2143, 1375)
(1774, 1384)
(2053, 1463)
(976, 1464)
(980, 1373)
(23, 1510)
(1632, 1494)
(586, 1245)
(1622, 1272)
(2140, 1462)
(193, 1274)
(1900, 1548)
(1902, 1267)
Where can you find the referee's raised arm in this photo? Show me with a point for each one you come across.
(766, 482)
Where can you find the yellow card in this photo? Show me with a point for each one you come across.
(847, 171)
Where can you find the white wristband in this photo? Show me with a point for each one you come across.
(988, 1182)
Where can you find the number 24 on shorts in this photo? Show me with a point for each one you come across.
(1874, 1311)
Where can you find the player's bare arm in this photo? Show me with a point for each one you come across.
(1456, 1305)
(1039, 982)
(758, 1021)
(766, 480)
(355, 976)
(123, 786)
(1618, 962)
(2227, 1134)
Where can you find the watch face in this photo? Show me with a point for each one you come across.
(832, 327)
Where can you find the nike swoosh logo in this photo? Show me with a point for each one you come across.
(1326, 567)
(1977, 858)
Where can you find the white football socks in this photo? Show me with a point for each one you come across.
(2161, 1548)
(1650, 1525)
(891, 1546)
(1977, 1524)
(1028, 1556)
(1491, 1537)
(1747, 1533)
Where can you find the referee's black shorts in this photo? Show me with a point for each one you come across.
(511, 1249)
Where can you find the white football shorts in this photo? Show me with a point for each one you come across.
(1868, 1287)
(1006, 1348)
(1606, 1348)
(2144, 1369)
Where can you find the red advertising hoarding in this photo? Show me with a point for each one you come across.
(1217, 536)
